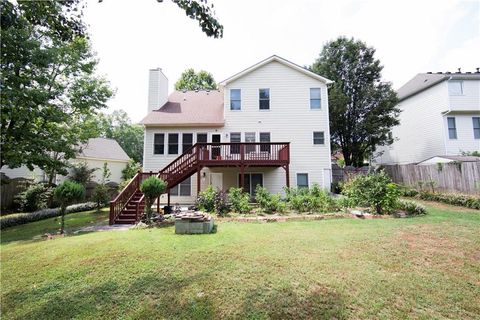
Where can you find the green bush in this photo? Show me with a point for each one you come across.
(152, 188)
(65, 194)
(407, 191)
(34, 198)
(239, 200)
(374, 190)
(221, 204)
(411, 208)
(81, 173)
(314, 199)
(101, 196)
(206, 199)
(22, 218)
(468, 201)
(268, 202)
(131, 170)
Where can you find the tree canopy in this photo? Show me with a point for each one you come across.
(362, 107)
(48, 84)
(190, 80)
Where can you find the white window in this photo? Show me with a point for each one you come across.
(318, 137)
(476, 127)
(452, 128)
(264, 99)
(455, 88)
(235, 99)
(158, 143)
(302, 180)
(315, 98)
(250, 137)
(183, 189)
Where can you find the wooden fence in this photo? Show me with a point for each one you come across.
(461, 177)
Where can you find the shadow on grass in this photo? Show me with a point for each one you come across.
(167, 296)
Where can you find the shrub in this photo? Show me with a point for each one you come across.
(310, 200)
(239, 200)
(269, 203)
(19, 219)
(411, 208)
(152, 188)
(131, 170)
(81, 173)
(206, 199)
(221, 204)
(468, 201)
(407, 191)
(374, 190)
(66, 193)
(101, 196)
(35, 197)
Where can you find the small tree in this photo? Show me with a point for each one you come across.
(67, 193)
(81, 173)
(152, 188)
(131, 170)
(100, 193)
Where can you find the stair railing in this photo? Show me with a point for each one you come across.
(121, 201)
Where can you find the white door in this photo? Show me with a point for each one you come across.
(216, 180)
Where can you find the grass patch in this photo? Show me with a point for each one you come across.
(423, 267)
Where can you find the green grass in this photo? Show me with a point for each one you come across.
(424, 267)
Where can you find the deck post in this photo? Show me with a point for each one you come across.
(198, 180)
(168, 198)
(242, 176)
(287, 176)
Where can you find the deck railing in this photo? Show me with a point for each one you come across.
(120, 202)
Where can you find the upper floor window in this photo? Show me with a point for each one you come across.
(318, 137)
(452, 128)
(235, 137)
(202, 137)
(265, 137)
(476, 127)
(173, 143)
(315, 98)
(455, 88)
(302, 180)
(264, 101)
(235, 99)
(187, 141)
(158, 143)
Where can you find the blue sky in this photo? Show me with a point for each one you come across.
(131, 37)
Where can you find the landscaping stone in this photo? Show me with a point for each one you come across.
(193, 223)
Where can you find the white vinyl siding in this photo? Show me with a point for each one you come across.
(455, 87)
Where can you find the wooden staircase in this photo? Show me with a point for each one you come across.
(129, 205)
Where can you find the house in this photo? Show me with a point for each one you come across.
(440, 117)
(266, 125)
(95, 152)
(449, 159)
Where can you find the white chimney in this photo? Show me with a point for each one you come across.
(157, 89)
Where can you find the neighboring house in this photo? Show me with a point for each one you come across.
(449, 159)
(266, 125)
(95, 153)
(440, 117)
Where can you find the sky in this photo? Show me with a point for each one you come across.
(410, 37)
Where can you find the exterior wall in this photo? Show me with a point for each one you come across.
(469, 100)
(420, 134)
(465, 139)
(24, 172)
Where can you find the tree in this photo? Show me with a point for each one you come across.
(48, 84)
(130, 170)
(189, 80)
(152, 188)
(81, 173)
(362, 108)
(67, 193)
(100, 193)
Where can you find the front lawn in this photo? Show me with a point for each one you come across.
(423, 267)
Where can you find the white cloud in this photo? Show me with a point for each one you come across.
(410, 37)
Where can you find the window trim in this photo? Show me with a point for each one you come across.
(163, 149)
(323, 138)
(476, 137)
(319, 99)
(308, 180)
(454, 128)
(240, 100)
(260, 99)
(178, 142)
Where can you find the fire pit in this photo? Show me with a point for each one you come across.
(193, 223)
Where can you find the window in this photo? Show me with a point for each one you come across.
(183, 189)
(302, 180)
(249, 137)
(187, 141)
(250, 182)
(452, 129)
(264, 101)
(173, 143)
(202, 138)
(159, 143)
(455, 88)
(318, 137)
(315, 99)
(476, 127)
(235, 99)
(235, 137)
(265, 137)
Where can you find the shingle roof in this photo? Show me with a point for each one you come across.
(189, 108)
(462, 158)
(423, 81)
(102, 148)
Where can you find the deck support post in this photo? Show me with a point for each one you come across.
(158, 205)
(287, 175)
(198, 180)
(242, 176)
(168, 198)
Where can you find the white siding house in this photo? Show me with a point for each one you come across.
(272, 101)
(440, 116)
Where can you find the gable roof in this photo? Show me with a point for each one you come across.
(189, 108)
(423, 81)
(280, 60)
(102, 148)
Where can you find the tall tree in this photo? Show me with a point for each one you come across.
(190, 80)
(362, 107)
(48, 83)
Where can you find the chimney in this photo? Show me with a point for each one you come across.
(157, 89)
